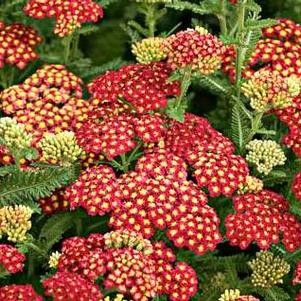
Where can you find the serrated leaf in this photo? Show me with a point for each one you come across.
(259, 24)
(200, 9)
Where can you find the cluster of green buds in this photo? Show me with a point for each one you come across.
(149, 50)
(219, 281)
(230, 295)
(252, 185)
(265, 155)
(54, 259)
(13, 134)
(60, 148)
(267, 90)
(267, 269)
(15, 222)
(125, 238)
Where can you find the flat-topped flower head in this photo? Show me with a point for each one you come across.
(144, 86)
(11, 259)
(296, 186)
(69, 14)
(19, 292)
(268, 269)
(17, 45)
(71, 286)
(297, 274)
(196, 49)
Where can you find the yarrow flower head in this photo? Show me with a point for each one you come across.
(296, 186)
(69, 14)
(144, 86)
(265, 155)
(234, 295)
(149, 50)
(17, 43)
(54, 203)
(71, 286)
(268, 269)
(194, 48)
(60, 148)
(11, 259)
(19, 292)
(15, 222)
(13, 134)
(47, 101)
(267, 90)
(297, 274)
(262, 217)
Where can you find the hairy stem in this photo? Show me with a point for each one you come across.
(222, 17)
(185, 84)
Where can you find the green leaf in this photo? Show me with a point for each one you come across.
(24, 187)
(87, 29)
(216, 84)
(204, 8)
(53, 230)
(239, 126)
(259, 24)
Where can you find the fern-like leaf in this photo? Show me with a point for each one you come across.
(215, 84)
(239, 126)
(22, 187)
(53, 230)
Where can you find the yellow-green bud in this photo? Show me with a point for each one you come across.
(229, 295)
(125, 238)
(265, 155)
(267, 90)
(149, 50)
(13, 134)
(252, 185)
(54, 259)
(267, 269)
(118, 297)
(61, 147)
(15, 222)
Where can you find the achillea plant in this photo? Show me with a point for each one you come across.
(171, 172)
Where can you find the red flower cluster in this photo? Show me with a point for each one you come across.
(11, 259)
(128, 263)
(116, 135)
(279, 50)
(17, 43)
(261, 218)
(144, 86)
(47, 101)
(194, 134)
(70, 286)
(95, 190)
(19, 292)
(5, 157)
(55, 203)
(296, 186)
(195, 48)
(69, 14)
(220, 173)
(297, 274)
(166, 201)
(298, 297)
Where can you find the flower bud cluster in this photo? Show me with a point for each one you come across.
(15, 222)
(265, 155)
(252, 185)
(19, 292)
(268, 269)
(61, 147)
(149, 50)
(13, 134)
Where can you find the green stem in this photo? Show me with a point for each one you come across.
(185, 84)
(241, 11)
(125, 163)
(97, 225)
(222, 17)
(67, 50)
(37, 249)
(79, 226)
(150, 19)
